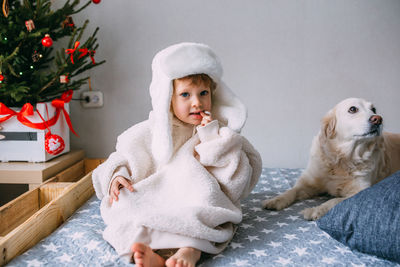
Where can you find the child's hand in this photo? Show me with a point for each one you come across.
(206, 117)
(118, 183)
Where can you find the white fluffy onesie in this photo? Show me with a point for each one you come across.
(188, 181)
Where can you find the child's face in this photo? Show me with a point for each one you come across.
(189, 99)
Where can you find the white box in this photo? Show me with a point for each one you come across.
(32, 150)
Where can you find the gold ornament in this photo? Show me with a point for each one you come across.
(6, 8)
(36, 56)
(68, 22)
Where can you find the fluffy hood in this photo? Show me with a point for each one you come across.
(178, 61)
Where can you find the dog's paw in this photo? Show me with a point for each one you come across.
(313, 214)
(277, 203)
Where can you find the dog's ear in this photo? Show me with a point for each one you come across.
(328, 128)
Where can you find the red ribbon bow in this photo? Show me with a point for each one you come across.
(72, 51)
(27, 110)
(4, 110)
(86, 51)
(59, 105)
(91, 55)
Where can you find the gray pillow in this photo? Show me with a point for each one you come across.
(369, 221)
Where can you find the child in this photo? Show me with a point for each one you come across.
(176, 179)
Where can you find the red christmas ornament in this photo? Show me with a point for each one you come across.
(1, 77)
(96, 1)
(47, 41)
(53, 143)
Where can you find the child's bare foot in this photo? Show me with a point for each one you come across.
(145, 257)
(184, 257)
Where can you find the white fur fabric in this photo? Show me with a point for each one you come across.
(178, 61)
(196, 195)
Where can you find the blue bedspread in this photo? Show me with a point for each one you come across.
(264, 238)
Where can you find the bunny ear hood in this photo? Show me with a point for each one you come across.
(178, 61)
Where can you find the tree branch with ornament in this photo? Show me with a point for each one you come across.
(31, 70)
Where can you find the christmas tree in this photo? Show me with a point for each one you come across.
(30, 71)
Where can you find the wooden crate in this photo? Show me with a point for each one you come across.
(37, 213)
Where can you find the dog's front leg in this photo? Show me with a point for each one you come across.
(299, 192)
(303, 189)
(281, 201)
(317, 212)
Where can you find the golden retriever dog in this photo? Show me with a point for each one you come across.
(349, 154)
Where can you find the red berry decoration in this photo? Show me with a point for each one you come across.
(47, 41)
(96, 1)
(1, 77)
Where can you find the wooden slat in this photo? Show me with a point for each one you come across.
(53, 170)
(33, 186)
(50, 191)
(71, 174)
(91, 164)
(31, 173)
(46, 220)
(18, 210)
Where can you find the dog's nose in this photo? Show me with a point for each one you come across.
(376, 120)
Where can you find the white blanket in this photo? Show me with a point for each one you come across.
(191, 196)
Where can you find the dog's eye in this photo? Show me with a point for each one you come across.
(353, 109)
(373, 110)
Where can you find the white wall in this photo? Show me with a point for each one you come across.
(289, 61)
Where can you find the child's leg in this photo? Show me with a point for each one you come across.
(184, 257)
(145, 257)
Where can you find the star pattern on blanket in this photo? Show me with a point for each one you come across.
(342, 250)
(290, 237)
(51, 247)
(92, 245)
(236, 245)
(258, 253)
(264, 238)
(76, 235)
(251, 238)
(300, 251)
(284, 261)
(64, 258)
(241, 263)
(33, 263)
(275, 244)
(328, 260)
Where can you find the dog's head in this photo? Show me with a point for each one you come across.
(352, 119)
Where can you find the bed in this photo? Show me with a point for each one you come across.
(264, 238)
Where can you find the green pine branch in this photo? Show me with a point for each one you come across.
(32, 72)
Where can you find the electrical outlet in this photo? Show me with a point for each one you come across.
(92, 99)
